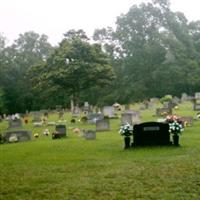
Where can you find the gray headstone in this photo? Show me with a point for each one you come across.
(196, 106)
(90, 135)
(131, 117)
(109, 111)
(197, 95)
(19, 136)
(103, 125)
(94, 117)
(86, 106)
(76, 111)
(184, 97)
(176, 100)
(36, 117)
(16, 123)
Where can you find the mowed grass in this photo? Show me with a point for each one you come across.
(77, 169)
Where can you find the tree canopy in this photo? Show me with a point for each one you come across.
(152, 52)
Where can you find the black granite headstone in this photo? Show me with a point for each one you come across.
(151, 133)
(61, 130)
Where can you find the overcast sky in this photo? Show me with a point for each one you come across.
(55, 17)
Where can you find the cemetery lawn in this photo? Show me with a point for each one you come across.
(79, 169)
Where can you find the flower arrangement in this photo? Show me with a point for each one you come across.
(36, 135)
(125, 130)
(171, 118)
(175, 128)
(46, 132)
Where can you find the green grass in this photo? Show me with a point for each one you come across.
(78, 169)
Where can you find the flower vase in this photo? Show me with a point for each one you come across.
(176, 140)
(127, 141)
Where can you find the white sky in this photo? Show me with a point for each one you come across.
(55, 17)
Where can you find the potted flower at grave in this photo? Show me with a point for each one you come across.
(125, 130)
(175, 128)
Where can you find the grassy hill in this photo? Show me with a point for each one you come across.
(79, 169)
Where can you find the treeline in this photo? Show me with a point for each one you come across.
(152, 52)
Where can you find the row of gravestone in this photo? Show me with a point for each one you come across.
(24, 135)
(145, 134)
(102, 123)
(128, 116)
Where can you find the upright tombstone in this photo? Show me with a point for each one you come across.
(86, 106)
(109, 111)
(130, 117)
(184, 97)
(90, 135)
(36, 116)
(92, 118)
(196, 105)
(196, 101)
(151, 133)
(17, 136)
(197, 95)
(76, 111)
(103, 125)
(176, 100)
(61, 130)
(16, 123)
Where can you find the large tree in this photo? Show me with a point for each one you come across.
(158, 51)
(76, 66)
(28, 50)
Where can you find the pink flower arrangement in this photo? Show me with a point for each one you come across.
(171, 118)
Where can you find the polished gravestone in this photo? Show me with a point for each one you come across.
(61, 130)
(151, 133)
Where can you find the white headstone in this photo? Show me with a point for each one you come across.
(109, 111)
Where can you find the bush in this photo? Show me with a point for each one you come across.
(166, 98)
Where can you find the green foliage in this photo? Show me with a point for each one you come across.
(152, 52)
(76, 66)
(16, 60)
(2, 102)
(166, 98)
